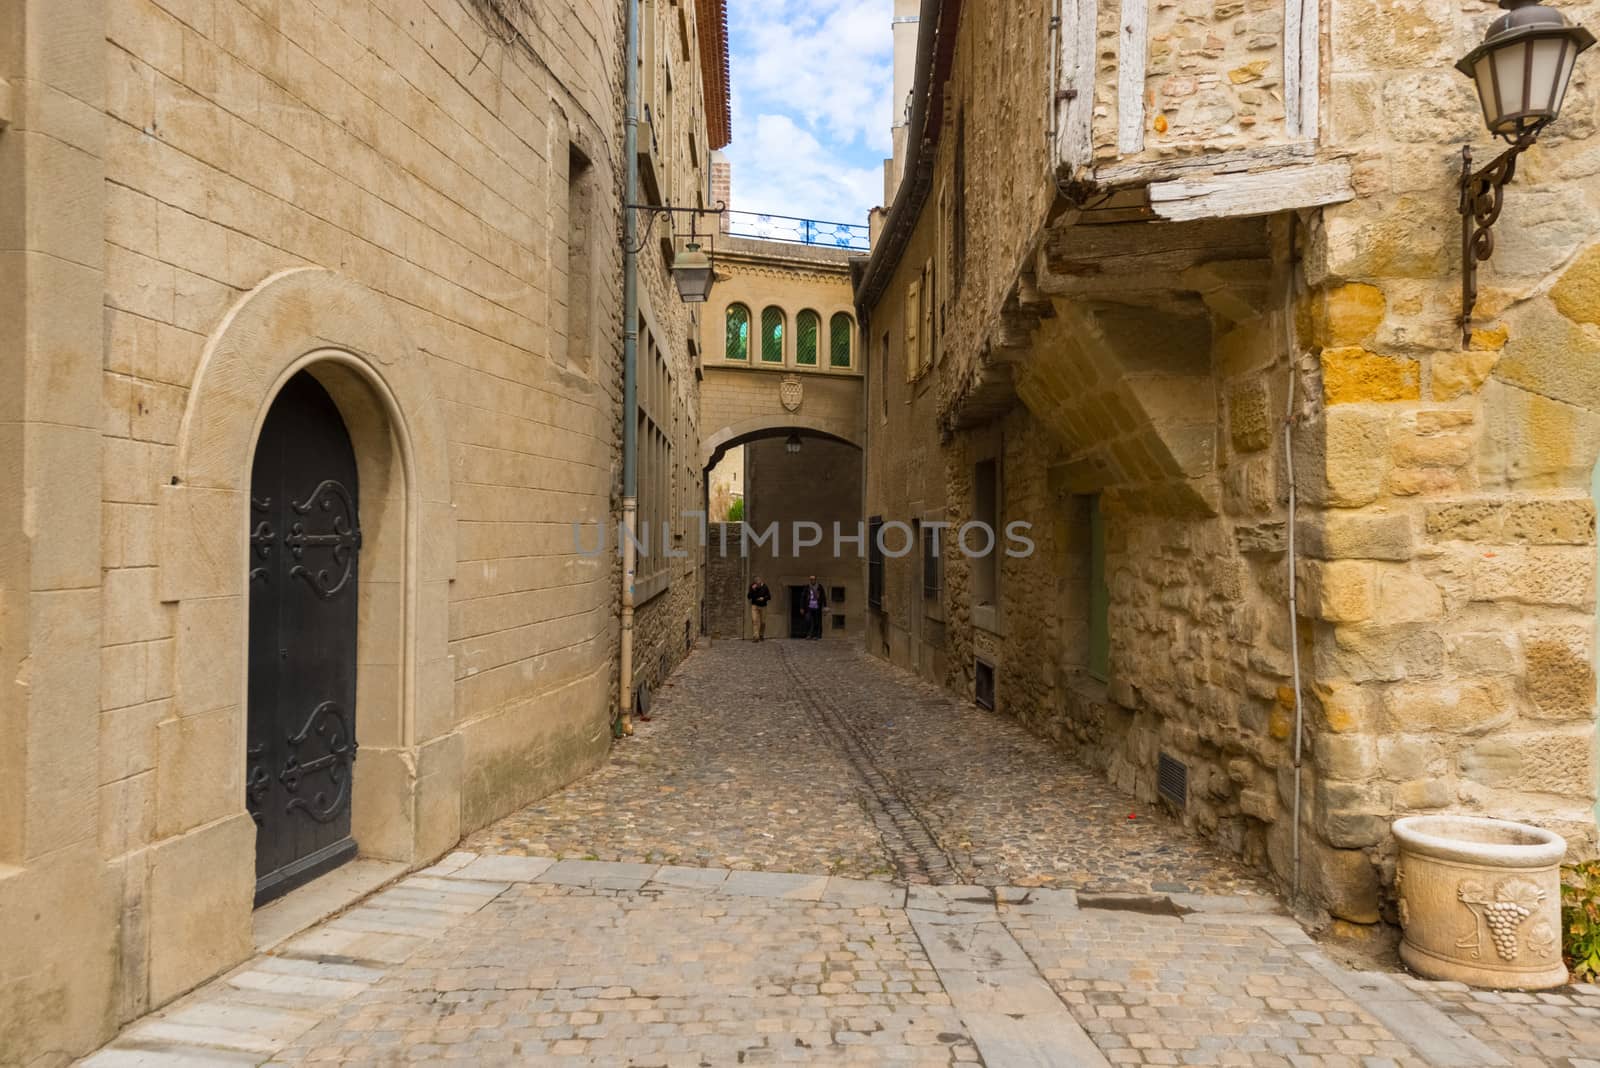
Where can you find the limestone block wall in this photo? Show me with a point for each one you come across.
(1457, 565)
(418, 205)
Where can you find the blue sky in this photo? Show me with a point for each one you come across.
(811, 87)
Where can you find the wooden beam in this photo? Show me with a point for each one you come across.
(1133, 48)
(1302, 67)
(1249, 159)
(1076, 123)
(1246, 195)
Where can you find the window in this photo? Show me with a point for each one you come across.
(1099, 596)
(983, 684)
(932, 564)
(930, 326)
(883, 378)
(738, 347)
(580, 289)
(772, 335)
(874, 563)
(913, 325)
(986, 511)
(807, 333)
(836, 595)
(841, 332)
(838, 622)
(655, 464)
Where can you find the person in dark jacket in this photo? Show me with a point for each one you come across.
(759, 596)
(815, 602)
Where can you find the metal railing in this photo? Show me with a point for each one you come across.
(799, 231)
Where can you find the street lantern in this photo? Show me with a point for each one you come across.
(1521, 71)
(793, 444)
(1523, 66)
(691, 270)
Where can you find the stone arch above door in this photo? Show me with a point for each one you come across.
(316, 320)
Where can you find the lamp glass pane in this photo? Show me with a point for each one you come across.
(1545, 57)
(1483, 73)
(1510, 66)
(1569, 56)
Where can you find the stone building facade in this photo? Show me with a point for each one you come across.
(392, 227)
(779, 352)
(1135, 246)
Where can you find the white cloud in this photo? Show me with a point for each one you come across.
(812, 81)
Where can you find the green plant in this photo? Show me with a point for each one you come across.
(1580, 919)
(736, 511)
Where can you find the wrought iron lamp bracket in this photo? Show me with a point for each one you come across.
(1482, 199)
(652, 212)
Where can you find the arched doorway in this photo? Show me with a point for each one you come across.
(303, 560)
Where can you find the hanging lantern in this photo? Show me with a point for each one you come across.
(1523, 66)
(691, 269)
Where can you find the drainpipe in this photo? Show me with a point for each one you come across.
(1294, 619)
(630, 361)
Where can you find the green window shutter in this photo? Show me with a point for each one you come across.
(807, 329)
(841, 330)
(738, 346)
(1099, 596)
(772, 335)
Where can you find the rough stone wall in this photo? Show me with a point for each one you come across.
(727, 611)
(182, 154)
(820, 484)
(1447, 573)
(1213, 77)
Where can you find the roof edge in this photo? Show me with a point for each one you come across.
(935, 55)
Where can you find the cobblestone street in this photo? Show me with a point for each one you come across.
(807, 857)
(815, 757)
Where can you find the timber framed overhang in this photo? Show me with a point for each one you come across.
(712, 16)
(1167, 113)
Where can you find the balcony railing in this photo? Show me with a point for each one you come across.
(798, 231)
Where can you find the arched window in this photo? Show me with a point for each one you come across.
(772, 335)
(738, 347)
(807, 335)
(841, 330)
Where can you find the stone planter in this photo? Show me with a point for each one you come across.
(1480, 901)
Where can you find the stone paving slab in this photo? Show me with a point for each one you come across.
(691, 968)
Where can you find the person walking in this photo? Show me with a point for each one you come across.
(816, 601)
(759, 596)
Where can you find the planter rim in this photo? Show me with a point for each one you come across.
(1429, 836)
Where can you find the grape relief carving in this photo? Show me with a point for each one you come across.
(1501, 915)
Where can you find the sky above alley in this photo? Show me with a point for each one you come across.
(811, 110)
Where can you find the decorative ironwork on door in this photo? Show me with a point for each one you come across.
(304, 566)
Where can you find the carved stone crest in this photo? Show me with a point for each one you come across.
(792, 392)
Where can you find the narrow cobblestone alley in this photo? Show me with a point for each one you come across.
(817, 758)
(808, 857)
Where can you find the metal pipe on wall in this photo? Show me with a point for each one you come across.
(630, 362)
